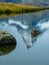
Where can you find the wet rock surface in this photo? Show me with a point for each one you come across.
(6, 38)
(6, 49)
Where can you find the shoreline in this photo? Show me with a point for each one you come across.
(11, 9)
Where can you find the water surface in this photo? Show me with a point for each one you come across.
(29, 50)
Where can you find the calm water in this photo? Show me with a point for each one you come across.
(29, 50)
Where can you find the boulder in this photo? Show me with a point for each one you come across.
(6, 49)
(6, 38)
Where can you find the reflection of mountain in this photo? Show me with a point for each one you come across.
(26, 23)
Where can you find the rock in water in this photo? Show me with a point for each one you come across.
(6, 49)
(35, 33)
(6, 38)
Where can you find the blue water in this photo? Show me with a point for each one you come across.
(21, 27)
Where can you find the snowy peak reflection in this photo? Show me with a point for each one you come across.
(17, 23)
(24, 31)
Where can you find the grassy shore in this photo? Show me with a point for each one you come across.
(11, 8)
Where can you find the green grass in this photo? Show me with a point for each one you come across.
(10, 8)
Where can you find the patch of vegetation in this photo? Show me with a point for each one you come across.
(10, 8)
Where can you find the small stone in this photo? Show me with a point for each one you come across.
(35, 33)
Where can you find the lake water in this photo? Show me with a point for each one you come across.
(30, 50)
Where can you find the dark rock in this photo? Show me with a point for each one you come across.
(35, 33)
(6, 49)
(6, 38)
(7, 43)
